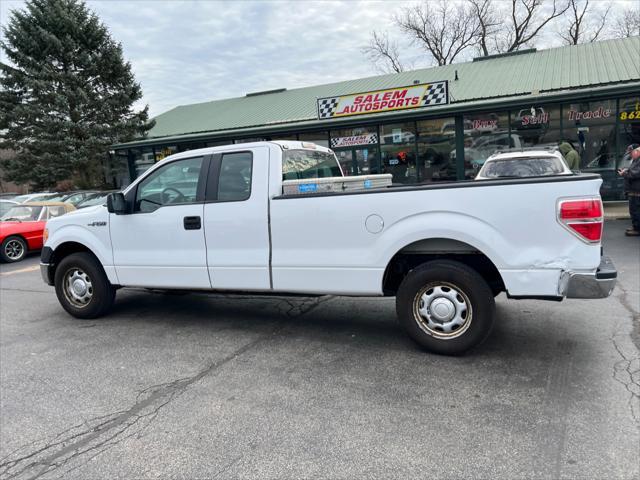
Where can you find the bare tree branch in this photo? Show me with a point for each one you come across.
(443, 30)
(628, 23)
(384, 53)
(527, 21)
(488, 21)
(581, 21)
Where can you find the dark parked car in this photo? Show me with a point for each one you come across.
(97, 198)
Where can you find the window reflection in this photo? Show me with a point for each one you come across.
(398, 151)
(485, 134)
(356, 150)
(536, 126)
(436, 140)
(319, 138)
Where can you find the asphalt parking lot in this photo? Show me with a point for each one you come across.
(200, 386)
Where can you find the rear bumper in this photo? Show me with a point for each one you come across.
(599, 284)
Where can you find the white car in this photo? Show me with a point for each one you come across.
(442, 250)
(6, 205)
(524, 163)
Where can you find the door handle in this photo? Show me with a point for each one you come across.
(192, 223)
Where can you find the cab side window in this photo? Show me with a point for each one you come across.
(234, 183)
(173, 184)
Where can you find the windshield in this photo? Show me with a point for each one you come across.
(522, 167)
(23, 213)
(5, 207)
(45, 197)
(92, 200)
(301, 164)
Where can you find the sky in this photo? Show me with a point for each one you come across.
(187, 51)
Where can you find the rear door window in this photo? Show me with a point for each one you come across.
(234, 183)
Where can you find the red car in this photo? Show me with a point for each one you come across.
(22, 226)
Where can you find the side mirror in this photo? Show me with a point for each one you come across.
(117, 204)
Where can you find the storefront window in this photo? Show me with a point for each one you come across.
(398, 151)
(319, 138)
(356, 149)
(142, 158)
(590, 128)
(163, 151)
(217, 143)
(117, 173)
(250, 140)
(628, 129)
(536, 125)
(485, 134)
(436, 150)
(628, 138)
(284, 137)
(190, 146)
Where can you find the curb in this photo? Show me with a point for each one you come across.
(616, 210)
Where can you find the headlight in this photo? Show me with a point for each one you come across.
(45, 235)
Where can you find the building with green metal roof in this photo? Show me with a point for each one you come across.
(433, 124)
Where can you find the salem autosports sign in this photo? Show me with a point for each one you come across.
(401, 98)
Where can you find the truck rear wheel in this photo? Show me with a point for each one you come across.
(445, 306)
(82, 287)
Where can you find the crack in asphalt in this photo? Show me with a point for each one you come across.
(627, 370)
(97, 435)
(24, 290)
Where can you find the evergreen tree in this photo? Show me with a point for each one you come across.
(66, 94)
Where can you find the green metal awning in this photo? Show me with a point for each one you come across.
(606, 67)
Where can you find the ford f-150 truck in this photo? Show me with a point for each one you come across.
(217, 219)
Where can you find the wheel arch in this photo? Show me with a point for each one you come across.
(439, 248)
(19, 235)
(68, 247)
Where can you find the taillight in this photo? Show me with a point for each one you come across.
(582, 217)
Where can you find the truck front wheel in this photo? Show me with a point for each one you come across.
(82, 287)
(445, 306)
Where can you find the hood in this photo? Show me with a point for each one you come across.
(80, 217)
(565, 148)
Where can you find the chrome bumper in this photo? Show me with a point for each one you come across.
(46, 273)
(599, 284)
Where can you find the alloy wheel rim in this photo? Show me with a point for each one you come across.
(14, 249)
(442, 310)
(78, 288)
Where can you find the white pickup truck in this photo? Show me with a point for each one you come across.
(216, 219)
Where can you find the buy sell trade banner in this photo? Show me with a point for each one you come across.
(414, 96)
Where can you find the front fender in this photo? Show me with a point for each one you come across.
(98, 243)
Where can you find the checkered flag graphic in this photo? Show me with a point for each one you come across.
(327, 106)
(373, 139)
(436, 94)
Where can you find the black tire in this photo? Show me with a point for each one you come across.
(85, 268)
(8, 249)
(467, 294)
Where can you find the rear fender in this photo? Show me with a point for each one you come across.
(445, 225)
